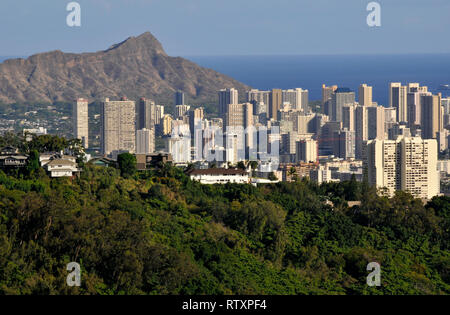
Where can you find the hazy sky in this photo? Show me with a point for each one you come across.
(228, 27)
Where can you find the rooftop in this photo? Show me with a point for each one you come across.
(217, 171)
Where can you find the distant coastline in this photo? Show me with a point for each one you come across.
(311, 71)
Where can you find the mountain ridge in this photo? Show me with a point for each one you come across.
(136, 67)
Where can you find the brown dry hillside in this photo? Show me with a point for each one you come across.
(136, 67)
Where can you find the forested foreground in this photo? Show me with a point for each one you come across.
(160, 233)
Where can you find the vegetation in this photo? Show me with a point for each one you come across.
(158, 232)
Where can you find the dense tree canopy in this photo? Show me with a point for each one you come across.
(160, 233)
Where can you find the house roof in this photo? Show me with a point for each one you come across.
(61, 162)
(16, 157)
(217, 171)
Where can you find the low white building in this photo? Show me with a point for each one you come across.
(45, 158)
(220, 176)
(61, 168)
(321, 175)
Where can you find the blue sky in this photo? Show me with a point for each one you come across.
(229, 27)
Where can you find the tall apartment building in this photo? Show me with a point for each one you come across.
(340, 98)
(195, 119)
(390, 118)
(432, 116)
(306, 151)
(260, 101)
(369, 125)
(239, 115)
(326, 140)
(181, 110)
(303, 123)
(445, 102)
(118, 126)
(348, 117)
(179, 98)
(327, 92)
(408, 164)
(145, 141)
(146, 114)
(398, 99)
(159, 114)
(361, 130)
(226, 97)
(365, 95)
(166, 125)
(415, 87)
(298, 98)
(414, 107)
(81, 121)
(375, 122)
(344, 144)
(275, 102)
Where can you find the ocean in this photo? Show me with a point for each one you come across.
(310, 72)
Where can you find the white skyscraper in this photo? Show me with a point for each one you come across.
(408, 164)
(118, 126)
(81, 121)
(365, 95)
(306, 151)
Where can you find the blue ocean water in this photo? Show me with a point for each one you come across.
(310, 72)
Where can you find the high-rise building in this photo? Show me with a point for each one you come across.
(178, 144)
(348, 117)
(306, 151)
(432, 118)
(195, 119)
(365, 95)
(260, 101)
(288, 142)
(415, 87)
(361, 130)
(408, 164)
(340, 98)
(375, 122)
(226, 97)
(326, 140)
(179, 98)
(327, 92)
(145, 141)
(81, 121)
(303, 123)
(398, 99)
(275, 102)
(298, 98)
(159, 114)
(146, 114)
(118, 126)
(181, 110)
(446, 111)
(344, 144)
(390, 118)
(239, 115)
(369, 124)
(166, 125)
